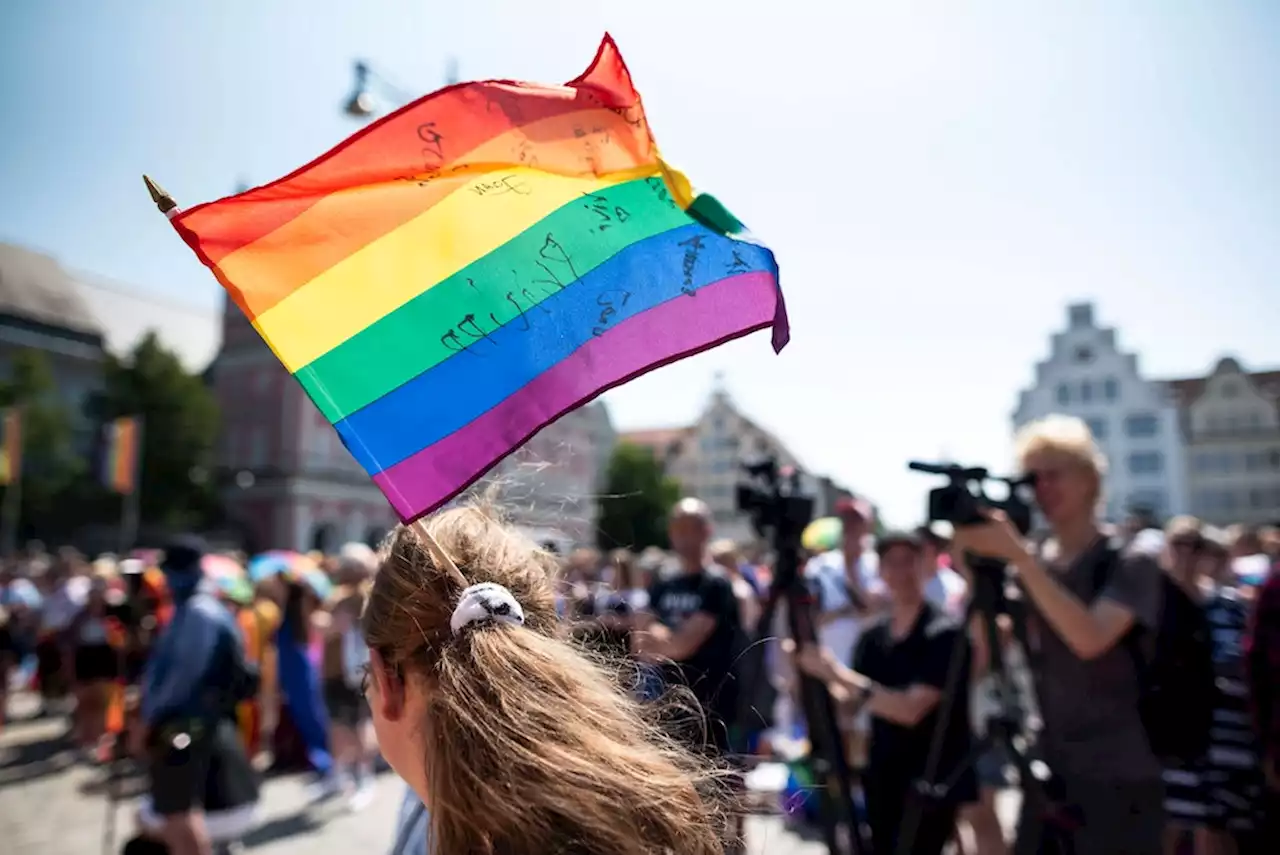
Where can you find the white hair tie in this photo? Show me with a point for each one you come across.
(486, 601)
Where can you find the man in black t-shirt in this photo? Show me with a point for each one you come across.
(899, 674)
(693, 626)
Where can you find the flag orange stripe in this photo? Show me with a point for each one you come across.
(464, 116)
(123, 455)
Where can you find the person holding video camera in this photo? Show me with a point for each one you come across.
(1093, 613)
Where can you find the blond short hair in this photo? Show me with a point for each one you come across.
(1183, 525)
(691, 507)
(1067, 436)
(724, 550)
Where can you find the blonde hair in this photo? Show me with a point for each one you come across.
(724, 551)
(1183, 525)
(531, 746)
(1067, 436)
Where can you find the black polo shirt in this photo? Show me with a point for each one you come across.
(897, 754)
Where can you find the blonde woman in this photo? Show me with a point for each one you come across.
(1085, 597)
(512, 739)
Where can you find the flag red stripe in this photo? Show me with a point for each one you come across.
(464, 115)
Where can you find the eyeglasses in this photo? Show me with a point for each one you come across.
(1189, 543)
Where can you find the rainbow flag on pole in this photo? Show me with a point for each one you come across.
(120, 455)
(469, 268)
(10, 446)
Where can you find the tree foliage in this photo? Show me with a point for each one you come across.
(49, 460)
(179, 428)
(638, 495)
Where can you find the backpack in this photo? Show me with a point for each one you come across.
(1176, 673)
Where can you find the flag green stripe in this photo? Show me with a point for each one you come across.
(493, 291)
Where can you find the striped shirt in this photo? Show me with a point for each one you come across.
(1223, 789)
(1264, 665)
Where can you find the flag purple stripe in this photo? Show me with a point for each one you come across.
(724, 310)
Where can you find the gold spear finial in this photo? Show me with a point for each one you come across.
(160, 196)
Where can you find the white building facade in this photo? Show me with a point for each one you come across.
(1135, 421)
(707, 459)
(549, 486)
(1232, 423)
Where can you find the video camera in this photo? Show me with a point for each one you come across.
(773, 498)
(963, 500)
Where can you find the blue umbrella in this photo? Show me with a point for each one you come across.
(319, 583)
(278, 561)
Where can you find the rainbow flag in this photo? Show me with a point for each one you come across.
(11, 446)
(471, 267)
(120, 455)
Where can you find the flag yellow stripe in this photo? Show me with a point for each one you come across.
(473, 221)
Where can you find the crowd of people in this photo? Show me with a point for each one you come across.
(612, 702)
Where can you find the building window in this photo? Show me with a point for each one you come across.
(1141, 426)
(1110, 389)
(1064, 394)
(1084, 354)
(1097, 427)
(1146, 463)
(1086, 392)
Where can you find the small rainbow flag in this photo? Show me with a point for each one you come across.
(11, 446)
(464, 271)
(120, 455)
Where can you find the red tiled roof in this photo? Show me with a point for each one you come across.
(655, 438)
(1185, 391)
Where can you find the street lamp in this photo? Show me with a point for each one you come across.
(363, 102)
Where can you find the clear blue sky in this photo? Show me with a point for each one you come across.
(937, 179)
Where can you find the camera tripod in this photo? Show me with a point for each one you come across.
(1042, 828)
(779, 511)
